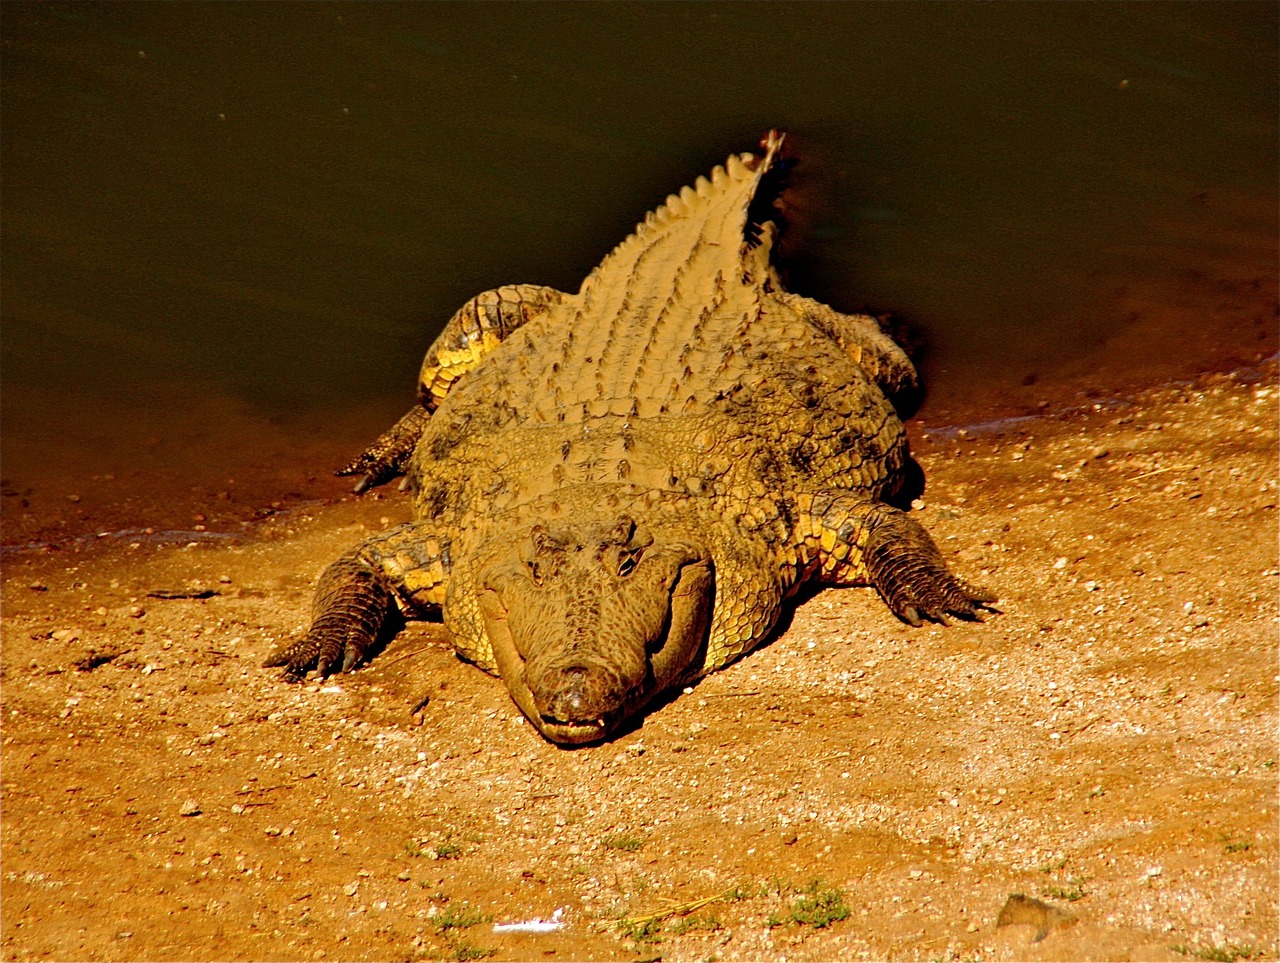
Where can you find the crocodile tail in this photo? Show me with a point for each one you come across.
(713, 213)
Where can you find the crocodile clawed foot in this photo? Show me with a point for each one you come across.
(364, 482)
(321, 654)
(389, 455)
(373, 471)
(912, 577)
(355, 615)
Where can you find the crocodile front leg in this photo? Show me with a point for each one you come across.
(359, 598)
(475, 330)
(863, 542)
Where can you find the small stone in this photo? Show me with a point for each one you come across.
(350, 889)
(189, 808)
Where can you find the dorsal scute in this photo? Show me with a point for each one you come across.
(713, 208)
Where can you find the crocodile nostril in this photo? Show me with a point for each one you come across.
(569, 705)
(573, 698)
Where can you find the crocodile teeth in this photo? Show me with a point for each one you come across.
(580, 723)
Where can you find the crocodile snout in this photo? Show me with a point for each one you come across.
(576, 695)
(573, 702)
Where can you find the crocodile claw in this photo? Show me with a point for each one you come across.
(353, 604)
(912, 577)
(389, 455)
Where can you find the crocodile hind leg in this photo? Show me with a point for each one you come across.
(474, 331)
(875, 352)
(861, 542)
(389, 455)
(359, 597)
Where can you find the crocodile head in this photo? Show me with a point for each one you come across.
(589, 620)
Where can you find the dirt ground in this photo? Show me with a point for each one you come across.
(855, 789)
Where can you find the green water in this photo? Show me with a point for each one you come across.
(279, 204)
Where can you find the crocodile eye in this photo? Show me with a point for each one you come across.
(627, 564)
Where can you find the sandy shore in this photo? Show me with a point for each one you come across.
(1107, 745)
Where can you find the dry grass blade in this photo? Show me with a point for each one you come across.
(1155, 471)
(404, 655)
(676, 909)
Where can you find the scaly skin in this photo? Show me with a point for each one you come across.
(615, 491)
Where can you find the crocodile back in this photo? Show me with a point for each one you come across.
(676, 368)
(648, 328)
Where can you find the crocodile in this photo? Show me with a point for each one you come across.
(616, 491)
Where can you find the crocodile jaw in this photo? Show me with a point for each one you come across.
(511, 666)
(678, 656)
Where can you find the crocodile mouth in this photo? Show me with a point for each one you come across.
(574, 731)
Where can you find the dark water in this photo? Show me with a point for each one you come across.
(256, 216)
